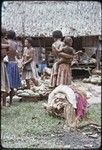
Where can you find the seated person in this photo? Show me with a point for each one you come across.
(83, 57)
(93, 59)
(46, 73)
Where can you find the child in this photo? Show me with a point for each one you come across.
(59, 74)
(83, 57)
(66, 48)
(42, 64)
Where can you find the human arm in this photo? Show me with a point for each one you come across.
(56, 49)
(64, 55)
(78, 52)
(17, 55)
(61, 60)
(5, 45)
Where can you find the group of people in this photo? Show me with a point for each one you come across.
(10, 71)
(11, 79)
(64, 54)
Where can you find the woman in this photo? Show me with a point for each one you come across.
(5, 86)
(29, 66)
(11, 64)
(57, 36)
(63, 75)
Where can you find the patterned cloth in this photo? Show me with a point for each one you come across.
(81, 105)
(78, 101)
(63, 76)
(13, 74)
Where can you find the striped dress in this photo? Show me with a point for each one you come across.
(63, 77)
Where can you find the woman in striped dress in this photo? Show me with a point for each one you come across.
(63, 75)
(57, 35)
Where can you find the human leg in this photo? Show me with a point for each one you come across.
(28, 83)
(3, 98)
(11, 95)
(35, 82)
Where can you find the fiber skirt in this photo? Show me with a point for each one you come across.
(30, 74)
(5, 86)
(27, 75)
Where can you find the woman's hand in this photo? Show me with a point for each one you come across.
(80, 51)
(23, 64)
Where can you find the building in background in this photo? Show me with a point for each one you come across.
(81, 20)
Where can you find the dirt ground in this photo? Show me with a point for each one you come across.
(27, 125)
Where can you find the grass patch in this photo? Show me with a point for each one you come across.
(94, 112)
(27, 125)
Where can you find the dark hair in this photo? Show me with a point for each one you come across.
(29, 39)
(3, 32)
(19, 38)
(57, 34)
(83, 50)
(11, 35)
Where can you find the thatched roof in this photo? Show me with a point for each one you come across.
(43, 17)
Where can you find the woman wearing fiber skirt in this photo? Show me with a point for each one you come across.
(29, 70)
(11, 64)
(5, 86)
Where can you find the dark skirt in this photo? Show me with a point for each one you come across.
(13, 74)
